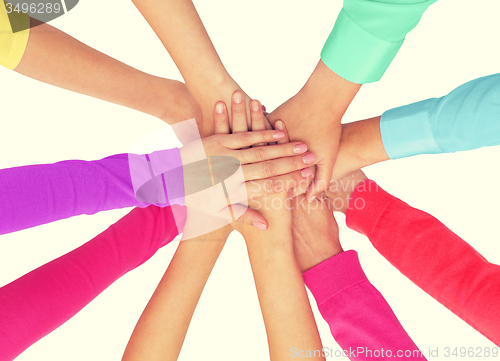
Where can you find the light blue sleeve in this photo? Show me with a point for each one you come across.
(465, 119)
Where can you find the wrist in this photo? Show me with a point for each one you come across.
(331, 91)
(361, 143)
(311, 252)
(340, 192)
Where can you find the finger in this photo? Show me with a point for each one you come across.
(221, 118)
(247, 139)
(321, 181)
(239, 113)
(257, 116)
(268, 124)
(252, 218)
(275, 167)
(258, 121)
(254, 155)
(283, 183)
(280, 125)
(301, 189)
(264, 109)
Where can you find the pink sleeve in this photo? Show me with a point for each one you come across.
(431, 255)
(360, 319)
(39, 302)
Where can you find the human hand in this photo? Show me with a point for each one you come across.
(339, 192)
(313, 116)
(315, 232)
(279, 167)
(270, 205)
(227, 92)
(266, 170)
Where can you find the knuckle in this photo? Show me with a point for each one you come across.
(260, 154)
(297, 162)
(270, 170)
(271, 185)
(246, 138)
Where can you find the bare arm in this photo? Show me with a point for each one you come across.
(160, 332)
(56, 58)
(283, 299)
(180, 29)
(313, 116)
(360, 146)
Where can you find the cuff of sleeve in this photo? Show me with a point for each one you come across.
(169, 163)
(334, 275)
(406, 131)
(355, 54)
(14, 34)
(158, 178)
(366, 205)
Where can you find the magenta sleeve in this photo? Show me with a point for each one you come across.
(39, 194)
(42, 300)
(431, 256)
(360, 319)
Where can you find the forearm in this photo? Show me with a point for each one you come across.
(56, 58)
(183, 34)
(358, 315)
(39, 302)
(464, 119)
(283, 300)
(367, 36)
(360, 146)
(39, 194)
(160, 332)
(331, 90)
(431, 255)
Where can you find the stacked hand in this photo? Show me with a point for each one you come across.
(265, 170)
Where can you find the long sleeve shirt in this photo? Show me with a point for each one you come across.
(42, 300)
(467, 118)
(431, 256)
(367, 36)
(39, 194)
(14, 34)
(360, 319)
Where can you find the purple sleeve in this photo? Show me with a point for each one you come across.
(39, 194)
(360, 319)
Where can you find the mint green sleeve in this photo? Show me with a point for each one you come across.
(367, 36)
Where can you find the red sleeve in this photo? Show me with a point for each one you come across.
(430, 255)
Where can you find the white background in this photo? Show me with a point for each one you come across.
(270, 48)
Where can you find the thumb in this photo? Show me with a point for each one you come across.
(250, 217)
(321, 181)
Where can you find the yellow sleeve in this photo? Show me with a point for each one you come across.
(12, 43)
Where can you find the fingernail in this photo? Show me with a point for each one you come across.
(237, 97)
(279, 125)
(278, 135)
(219, 108)
(255, 106)
(306, 172)
(259, 225)
(308, 158)
(299, 148)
